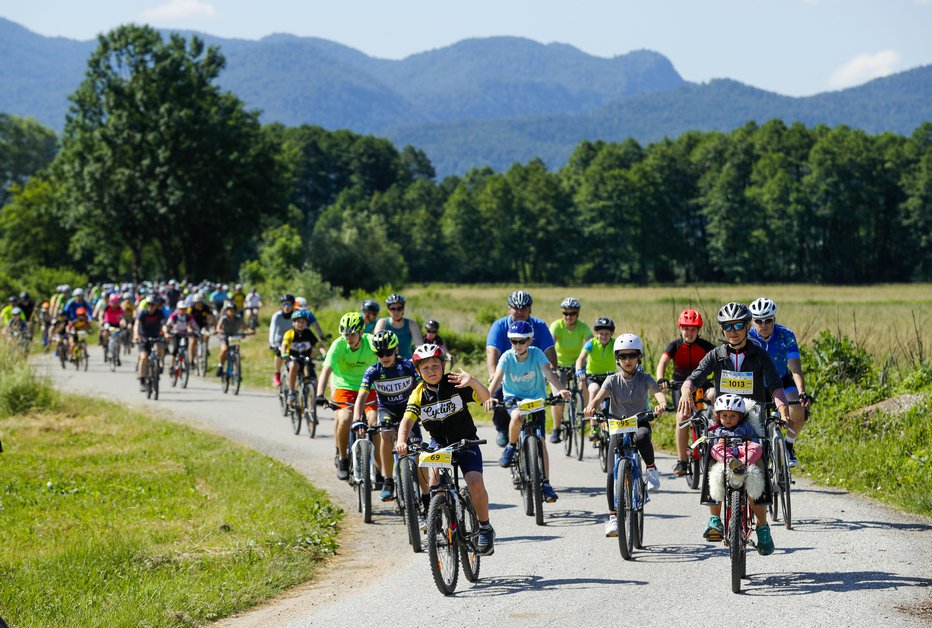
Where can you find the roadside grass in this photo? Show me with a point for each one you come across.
(111, 518)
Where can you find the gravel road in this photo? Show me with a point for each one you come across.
(848, 561)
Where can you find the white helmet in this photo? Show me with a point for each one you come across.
(628, 342)
(733, 403)
(763, 308)
(77, 292)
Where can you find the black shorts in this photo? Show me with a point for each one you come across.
(469, 459)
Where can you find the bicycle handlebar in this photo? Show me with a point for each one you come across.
(646, 415)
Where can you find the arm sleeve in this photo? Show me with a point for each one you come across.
(792, 348)
(670, 350)
(413, 409)
(494, 336)
(588, 346)
(272, 324)
(706, 365)
(312, 319)
(286, 341)
(366, 382)
(328, 360)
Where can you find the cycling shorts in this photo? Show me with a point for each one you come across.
(596, 378)
(789, 387)
(347, 398)
(469, 459)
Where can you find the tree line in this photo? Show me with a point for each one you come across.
(158, 172)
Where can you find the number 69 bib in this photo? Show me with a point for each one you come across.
(737, 382)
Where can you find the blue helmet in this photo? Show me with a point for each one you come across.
(305, 314)
(520, 329)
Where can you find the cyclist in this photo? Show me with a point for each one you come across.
(780, 343)
(252, 303)
(685, 352)
(218, 297)
(203, 318)
(627, 391)
(230, 324)
(523, 373)
(58, 332)
(393, 378)
(497, 343)
(347, 360)
(110, 317)
(441, 401)
(146, 332)
(44, 318)
(370, 315)
(409, 336)
(180, 323)
(172, 294)
(280, 323)
(298, 342)
(596, 360)
(745, 460)
(431, 337)
(238, 297)
(569, 336)
(16, 323)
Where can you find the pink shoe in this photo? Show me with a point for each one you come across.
(277, 380)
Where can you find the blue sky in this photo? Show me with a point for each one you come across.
(794, 47)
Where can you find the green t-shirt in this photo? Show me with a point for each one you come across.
(601, 357)
(349, 366)
(568, 343)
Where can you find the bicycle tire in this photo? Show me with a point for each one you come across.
(410, 492)
(783, 482)
(736, 547)
(364, 486)
(568, 427)
(185, 371)
(310, 412)
(622, 499)
(174, 373)
(641, 500)
(536, 476)
(155, 379)
(62, 355)
(603, 453)
(237, 373)
(442, 544)
(469, 534)
(524, 476)
(225, 374)
(581, 426)
(295, 413)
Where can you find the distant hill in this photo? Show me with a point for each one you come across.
(478, 102)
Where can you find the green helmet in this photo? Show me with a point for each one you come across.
(351, 323)
(384, 341)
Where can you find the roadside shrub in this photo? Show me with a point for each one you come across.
(836, 360)
(20, 389)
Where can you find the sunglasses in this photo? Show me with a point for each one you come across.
(763, 321)
(570, 313)
(385, 354)
(396, 309)
(520, 341)
(627, 356)
(734, 326)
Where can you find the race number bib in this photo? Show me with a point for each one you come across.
(442, 459)
(623, 426)
(737, 382)
(232, 341)
(527, 406)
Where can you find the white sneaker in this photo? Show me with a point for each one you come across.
(611, 528)
(653, 478)
(422, 523)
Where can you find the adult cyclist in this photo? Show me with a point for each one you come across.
(569, 335)
(280, 323)
(780, 343)
(370, 315)
(409, 335)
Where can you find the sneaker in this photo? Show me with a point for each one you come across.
(715, 531)
(343, 469)
(277, 380)
(555, 437)
(142, 385)
(422, 524)
(507, 454)
(379, 481)
(388, 490)
(292, 397)
(680, 468)
(485, 543)
(550, 495)
(611, 528)
(764, 541)
(736, 466)
(791, 455)
(653, 478)
(502, 439)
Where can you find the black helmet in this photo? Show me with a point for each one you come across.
(604, 323)
(370, 306)
(519, 299)
(392, 299)
(23, 296)
(287, 298)
(733, 311)
(384, 341)
(431, 325)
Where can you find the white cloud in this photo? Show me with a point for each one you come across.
(865, 67)
(174, 10)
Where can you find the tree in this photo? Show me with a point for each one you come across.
(156, 159)
(26, 147)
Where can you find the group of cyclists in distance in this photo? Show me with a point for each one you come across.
(390, 371)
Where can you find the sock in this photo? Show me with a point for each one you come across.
(485, 524)
(652, 466)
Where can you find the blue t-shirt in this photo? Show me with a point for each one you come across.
(498, 334)
(781, 346)
(393, 385)
(524, 380)
(71, 309)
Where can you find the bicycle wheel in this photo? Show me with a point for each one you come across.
(640, 500)
(155, 379)
(62, 355)
(603, 453)
(410, 493)
(226, 372)
(622, 506)
(442, 544)
(581, 427)
(364, 478)
(185, 371)
(296, 413)
(524, 477)
(469, 536)
(310, 412)
(736, 545)
(175, 373)
(783, 482)
(237, 373)
(568, 427)
(84, 359)
(535, 469)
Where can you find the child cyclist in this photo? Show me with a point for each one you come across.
(298, 342)
(431, 337)
(627, 391)
(744, 461)
(523, 372)
(596, 361)
(440, 402)
(393, 379)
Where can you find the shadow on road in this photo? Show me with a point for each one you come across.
(680, 553)
(850, 526)
(524, 539)
(585, 491)
(805, 583)
(508, 585)
(572, 518)
(501, 506)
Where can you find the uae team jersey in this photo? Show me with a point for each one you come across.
(393, 384)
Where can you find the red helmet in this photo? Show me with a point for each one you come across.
(690, 318)
(80, 311)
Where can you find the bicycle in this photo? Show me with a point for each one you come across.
(127, 339)
(600, 440)
(231, 374)
(79, 351)
(303, 407)
(779, 472)
(452, 524)
(180, 370)
(698, 424)
(362, 469)
(408, 493)
(252, 318)
(61, 350)
(153, 366)
(112, 348)
(627, 481)
(572, 430)
(527, 468)
(202, 354)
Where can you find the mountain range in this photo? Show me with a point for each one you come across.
(478, 102)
